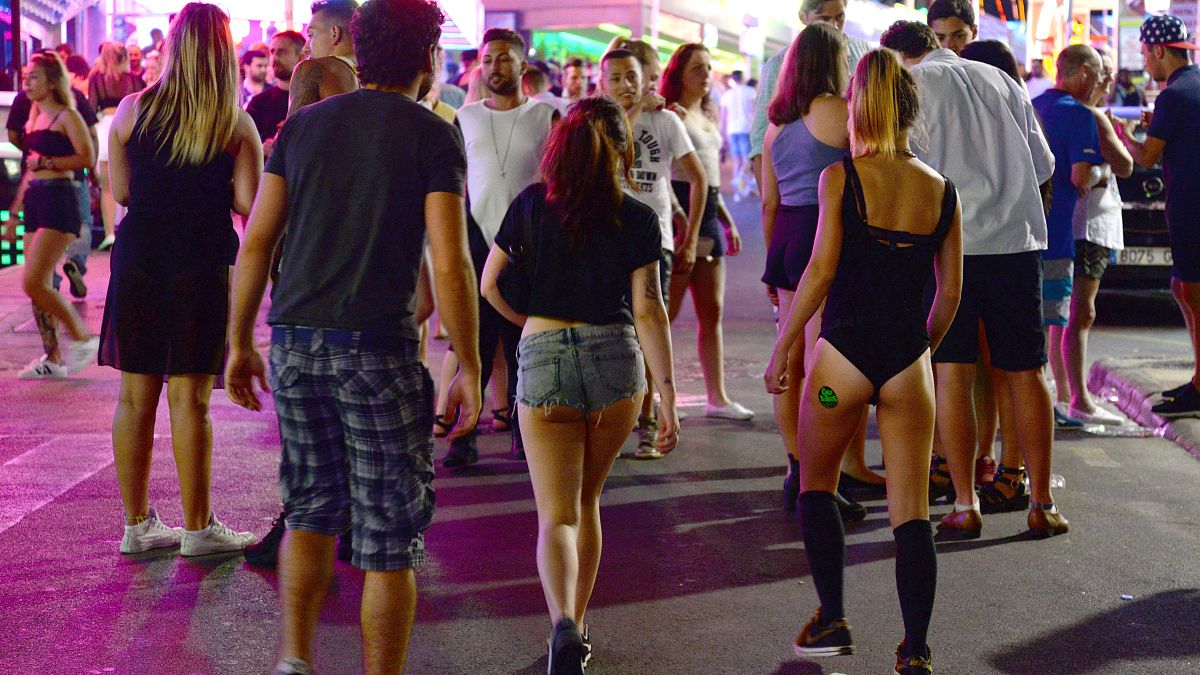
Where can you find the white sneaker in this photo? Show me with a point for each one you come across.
(43, 369)
(216, 538)
(733, 411)
(1101, 416)
(106, 243)
(151, 533)
(82, 353)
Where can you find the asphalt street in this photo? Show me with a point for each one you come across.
(702, 570)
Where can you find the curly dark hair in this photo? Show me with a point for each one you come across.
(910, 38)
(951, 9)
(392, 39)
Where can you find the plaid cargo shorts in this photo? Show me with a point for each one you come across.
(357, 445)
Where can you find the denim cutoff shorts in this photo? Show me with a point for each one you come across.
(587, 368)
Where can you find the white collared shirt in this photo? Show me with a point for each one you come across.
(977, 127)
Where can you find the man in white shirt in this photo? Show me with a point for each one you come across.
(967, 106)
(737, 114)
(503, 135)
(659, 138)
(536, 86)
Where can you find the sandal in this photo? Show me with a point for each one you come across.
(500, 420)
(940, 484)
(1008, 491)
(441, 428)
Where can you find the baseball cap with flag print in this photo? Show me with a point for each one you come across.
(1168, 31)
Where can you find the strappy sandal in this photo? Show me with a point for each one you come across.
(441, 428)
(501, 420)
(1008, 491)
(940, 484)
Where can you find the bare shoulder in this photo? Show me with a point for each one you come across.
(830, 105)
(245, 128)
(834, 176)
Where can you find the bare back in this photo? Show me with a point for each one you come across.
(901, 194)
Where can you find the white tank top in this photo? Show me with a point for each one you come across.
(708, 149)
(504, 151)
(1097, 216)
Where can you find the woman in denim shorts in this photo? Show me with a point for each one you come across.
(591, 264)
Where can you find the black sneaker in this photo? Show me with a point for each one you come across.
(1186, 404)
(462, 454)
(566, 649)
(850, 510)
(824, 639)
(1172, 393)
(266, 552)
(587, 645)
(78, 287)
(919, 662)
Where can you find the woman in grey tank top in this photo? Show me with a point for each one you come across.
(808, 132)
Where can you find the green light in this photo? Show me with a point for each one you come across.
(20, 244)
(5, 259)
(4, 245)
(4, 214)
(21, 230)
(20, 259)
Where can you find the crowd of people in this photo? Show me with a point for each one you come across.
(556, 236)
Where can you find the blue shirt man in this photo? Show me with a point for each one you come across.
(1074, 139)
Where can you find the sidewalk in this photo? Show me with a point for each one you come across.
(1133, 385)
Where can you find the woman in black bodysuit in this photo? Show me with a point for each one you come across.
(885, 220)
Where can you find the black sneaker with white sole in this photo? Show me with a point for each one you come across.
(819, 638)
(566, 649)
(75, 276)
(1176, 391)
(1185, 404)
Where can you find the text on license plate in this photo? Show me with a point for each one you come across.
(1144, 255)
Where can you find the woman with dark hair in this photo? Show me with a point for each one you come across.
(590, 255)
(58, 143)
(887, 221)
(994, 53)
(807, 133)
(687, 81)
(184, 155)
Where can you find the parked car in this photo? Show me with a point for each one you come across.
(10, 177)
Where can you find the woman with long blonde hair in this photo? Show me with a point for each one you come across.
(183, 155)
(112, 79)
(886, 222)
(58, 143)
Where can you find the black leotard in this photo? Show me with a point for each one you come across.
(874, 314)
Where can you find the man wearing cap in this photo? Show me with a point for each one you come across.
(1174, 138)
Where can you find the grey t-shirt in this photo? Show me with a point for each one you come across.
(358, 167)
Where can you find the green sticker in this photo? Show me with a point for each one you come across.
(827, 397)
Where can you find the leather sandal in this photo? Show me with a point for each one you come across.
(940, 485)
(500, 420)
(1045, 521)
(960, 525)
(441, 428)
(1008, 492)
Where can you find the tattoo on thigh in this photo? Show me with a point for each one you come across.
(828, 397)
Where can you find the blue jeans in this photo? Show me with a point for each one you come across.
(77, 251)
(587, 368)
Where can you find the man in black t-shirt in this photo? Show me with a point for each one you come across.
(270, 108)
(77, 252)
(355, 404)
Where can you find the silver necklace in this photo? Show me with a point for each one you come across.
(496, 144)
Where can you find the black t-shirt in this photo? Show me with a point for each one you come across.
(358, 168)
(588, 283)
(268, 109)
(18, 113)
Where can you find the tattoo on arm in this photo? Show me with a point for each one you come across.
(652, 292)
(305, 86)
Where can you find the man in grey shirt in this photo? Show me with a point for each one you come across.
(832, 12)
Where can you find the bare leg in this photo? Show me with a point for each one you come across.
(500, 379)
(41, 254)
(1190, 293)
(305, 570)
(1189, 318)
(1075, 340)
(905, 415)
(389, 605)
(825, 432)
(604, 442)
(956, 425)
(191, 436)
(1035, 428)
(987, 417)
(787, 404)
(1011, 455)
(1058, 366)
(133, 441)
(449, 370)
(708, 298)
(48, 328)
(108, 205)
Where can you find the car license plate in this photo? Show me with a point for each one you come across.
(1144, 255)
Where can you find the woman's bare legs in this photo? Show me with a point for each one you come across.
(708, 298)
(569, 458)
(42, 253)
(108, 205)
(191, 437)
(133, 440)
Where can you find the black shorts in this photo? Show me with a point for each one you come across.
(1091, 260)
(791, 245)
(53, 204)
(710, 225)
(1005, 291)
(1185, 251)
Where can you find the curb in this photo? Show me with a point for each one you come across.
(1132, 384)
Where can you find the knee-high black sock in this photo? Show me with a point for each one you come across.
(916, 579)
(825, 545)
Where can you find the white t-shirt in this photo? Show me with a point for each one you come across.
(1098, 216)
(504, 149)
(659, 139)
(738, 107)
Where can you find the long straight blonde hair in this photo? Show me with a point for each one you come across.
(883, 104)
(192, 109)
